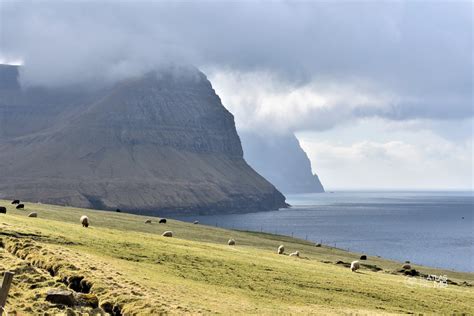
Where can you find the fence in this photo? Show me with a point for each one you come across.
(7, 281)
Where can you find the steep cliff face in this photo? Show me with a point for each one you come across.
(281, 160)
(161, 143)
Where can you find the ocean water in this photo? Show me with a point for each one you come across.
(429, 228)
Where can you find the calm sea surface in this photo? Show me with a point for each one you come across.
(429, 228)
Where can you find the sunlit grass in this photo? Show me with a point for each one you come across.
(131, 265)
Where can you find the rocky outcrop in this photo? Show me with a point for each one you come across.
(161, 143)
(281, 160)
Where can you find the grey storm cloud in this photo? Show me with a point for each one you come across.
(420, 51)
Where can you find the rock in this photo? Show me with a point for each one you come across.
(148, 221)
(61, 297)
(406, 267)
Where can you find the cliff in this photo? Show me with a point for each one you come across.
(160, 144)
(281, 160)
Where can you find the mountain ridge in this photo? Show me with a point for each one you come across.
(160, 143)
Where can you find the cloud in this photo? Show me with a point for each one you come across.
(262, 101)
(421, 52)
(284, 66)
(407, 159)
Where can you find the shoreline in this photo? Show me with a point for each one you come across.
(263, 233)
(125, 262)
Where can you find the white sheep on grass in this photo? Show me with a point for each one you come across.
(85, 221)
(355, 266)
(281, 249)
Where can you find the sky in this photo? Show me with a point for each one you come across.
(379, 93)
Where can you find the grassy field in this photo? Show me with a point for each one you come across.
(132, 269)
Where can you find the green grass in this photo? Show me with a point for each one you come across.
(129, 264)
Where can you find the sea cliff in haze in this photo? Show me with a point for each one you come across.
(281, 160)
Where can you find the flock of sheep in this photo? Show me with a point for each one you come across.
(19, 206)
(84, 220)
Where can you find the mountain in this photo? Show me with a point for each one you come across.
(161, 143)
(281, 160)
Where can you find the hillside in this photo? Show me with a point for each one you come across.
(159, 143)
(282, 161)
(125, 266)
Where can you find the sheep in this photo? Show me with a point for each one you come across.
(231, 242)
(85, 221)
(281, 249)
(16, 202)
(148, 221)
(363, 257)
(3, 210)
(196, 222)
(162, 221)
(318, 245)
(118, 210)
(167, 234)
(33, 214)
(406, 267)
(355, 266)
(20, 206)
(295, 254)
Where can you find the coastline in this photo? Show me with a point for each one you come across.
(195, 271)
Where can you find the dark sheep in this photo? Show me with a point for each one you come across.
(16, 202)
(363, 257)
(118, 210)
(3, 210)
(162, 221)
(20, 206)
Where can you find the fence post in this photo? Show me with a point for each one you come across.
(7, 281)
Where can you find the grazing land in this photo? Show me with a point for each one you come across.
(121, 265)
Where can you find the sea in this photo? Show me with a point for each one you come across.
(429, 228)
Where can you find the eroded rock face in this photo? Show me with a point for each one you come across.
(162, 143)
